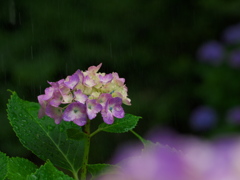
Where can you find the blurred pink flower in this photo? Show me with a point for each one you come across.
(193, 159)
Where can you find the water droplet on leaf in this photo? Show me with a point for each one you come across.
(62, 129)
(50, 128)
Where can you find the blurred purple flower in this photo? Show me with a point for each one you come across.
(203, 118)
(233, 115)
(158, 162)
(211, 52)
(232, 34)
(195, 160)
(234, 59)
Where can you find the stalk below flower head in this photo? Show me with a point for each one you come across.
(83, 95)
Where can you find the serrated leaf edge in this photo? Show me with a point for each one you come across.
(114, 124)
(14, 93)
(7, 165)
(17, 158)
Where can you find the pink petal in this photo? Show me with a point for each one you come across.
(71, 81)
(55, 113)
(89, 81)
(76, 112)
(93, 108)
(107, 116)
(118, 112)
(103, 98)
(80, 97)
(94, 68)
(105, 79)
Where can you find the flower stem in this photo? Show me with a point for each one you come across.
(75, 175)
(86, 151)
(145, 142)
(95, 132)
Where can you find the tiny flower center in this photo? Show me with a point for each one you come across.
(110, 108)
(75, 111)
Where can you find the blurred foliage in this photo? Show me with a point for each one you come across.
(152, 44)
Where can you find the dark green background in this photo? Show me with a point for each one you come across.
(152, 44)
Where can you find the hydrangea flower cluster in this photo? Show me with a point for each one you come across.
(84, 94)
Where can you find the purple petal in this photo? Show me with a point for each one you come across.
(124, 98)
(89, 82)
(114, 105)
(127, 101)
(76, 112)
(112, 109)
(115, 101)
(94, 68)
(42, 110)
(107, 116)
(80, 97)
(41, 100)
(55, 113)
(80, 76)
(48, 93)
(117, 80)
(93, 108)
(118, 112)
(66, 93)
(43, 105)
(80, 121)
(55, 85)
(103, 98)
(71, 81)
(56, 99)
(105, 79)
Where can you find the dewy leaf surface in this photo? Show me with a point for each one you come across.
(48, 172)
(43, 137)
(3, 165)
(121, 125)
(20, 168)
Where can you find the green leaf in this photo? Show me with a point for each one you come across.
(120, 125)
(20, 168)
(3, 165)
(75, 134)
(97, 169)
(43, 137)
(48, 172)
